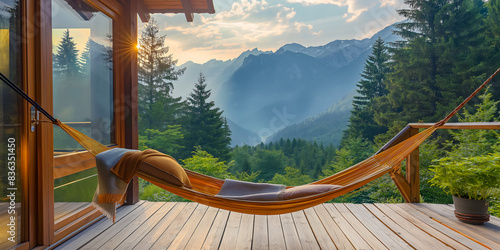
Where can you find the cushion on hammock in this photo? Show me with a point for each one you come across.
(165, 169)
(307, 190)
(242, 190)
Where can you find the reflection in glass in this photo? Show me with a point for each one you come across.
(10, 127)
(82, 72)
(83, 93)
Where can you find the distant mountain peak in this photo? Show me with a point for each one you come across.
(293, 47)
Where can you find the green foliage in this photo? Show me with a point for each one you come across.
(157, 108)
(441, 60)
(205, 163)
(244, 176)
(464, 143)
(269, 163)
(151, 192)
(384, 190)
(309, 158)
(371, 86)
(343, 159)
(292, 177)
(353, 151)
(205, 126)
(168, 141)
(469, 143)
(241, 157)
(473, 177)
(430, 151)
(494, 207)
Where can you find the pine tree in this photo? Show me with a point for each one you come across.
(157, 107)
(371, 86)
(428, 75)
(205, 125)
(492, 46)
(372, 83)
(66, 60)
(85, 59)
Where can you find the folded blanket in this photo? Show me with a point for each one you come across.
(110, 188)
(116, 167)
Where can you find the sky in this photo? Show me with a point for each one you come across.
(242, 25)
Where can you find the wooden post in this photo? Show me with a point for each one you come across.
(409, 185)
(413, 171)
(29, 175)
(125, 56)
(44, 131)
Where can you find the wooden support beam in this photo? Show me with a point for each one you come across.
(44, 131)
(143, 11)
(413, 172)
(175, 11)
(189, 16)
(126, 81)
(402, 185)
(188, 10)
(211, 9)
(109, 7)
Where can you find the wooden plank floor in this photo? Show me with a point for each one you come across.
(61, 210)
(166, 225)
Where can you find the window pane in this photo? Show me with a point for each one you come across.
(73, 193)
(83, 93)
(82, 72)
(10, 119)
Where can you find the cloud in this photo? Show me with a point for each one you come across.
(245, 24)
(267, 25)
(354, 7)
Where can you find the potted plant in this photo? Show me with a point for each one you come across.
(472, 182)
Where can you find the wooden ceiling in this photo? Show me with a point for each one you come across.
(188, 7)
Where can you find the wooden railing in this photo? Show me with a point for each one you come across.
(409, 185)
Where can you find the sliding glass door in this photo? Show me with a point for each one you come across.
(82, 67)
(10, 125)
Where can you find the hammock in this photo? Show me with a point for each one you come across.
(204, 188)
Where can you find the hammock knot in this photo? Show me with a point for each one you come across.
(396, 169)
(57, 122)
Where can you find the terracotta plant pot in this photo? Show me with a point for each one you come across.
(471, 211)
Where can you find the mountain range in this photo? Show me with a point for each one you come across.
(326, 128)
(263, 92)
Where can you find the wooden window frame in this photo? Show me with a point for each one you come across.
(39, 166)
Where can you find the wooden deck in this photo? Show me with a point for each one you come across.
(160, 225)
(61, 211)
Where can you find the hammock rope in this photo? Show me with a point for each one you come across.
(204, 188)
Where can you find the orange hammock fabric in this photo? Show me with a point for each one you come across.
(204, 188)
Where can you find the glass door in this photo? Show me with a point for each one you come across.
(82, 98)
(10, 125)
